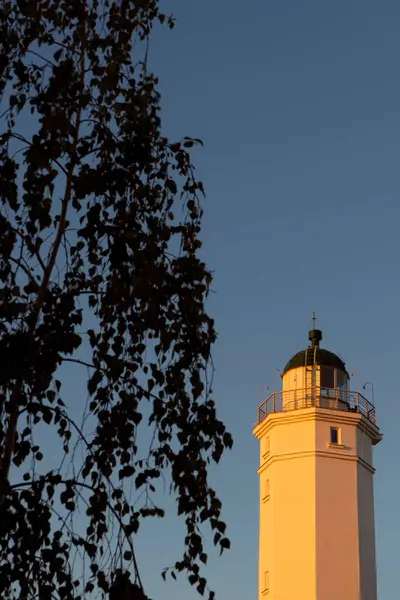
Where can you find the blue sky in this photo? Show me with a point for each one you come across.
(298, 106)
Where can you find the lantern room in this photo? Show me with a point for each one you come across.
(314, 375)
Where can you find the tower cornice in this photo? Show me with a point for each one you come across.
(318, 414)
(343, 455)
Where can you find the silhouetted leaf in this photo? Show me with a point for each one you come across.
(102, 292)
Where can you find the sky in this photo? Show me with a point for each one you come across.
(298, 105)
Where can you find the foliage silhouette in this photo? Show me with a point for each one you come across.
(99, 269)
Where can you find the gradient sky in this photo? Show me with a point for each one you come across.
(298, 104)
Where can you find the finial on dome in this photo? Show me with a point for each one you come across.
(314, 335)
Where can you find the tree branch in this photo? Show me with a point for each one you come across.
(14, 403)
(19, 264)
(91, 366)
(86, 486)
(30, 246)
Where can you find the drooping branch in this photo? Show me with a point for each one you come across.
(128, 222)
(20, 265)
(11, 429)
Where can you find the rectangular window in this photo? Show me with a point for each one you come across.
(266, 581)
(266, 446)
(334, 435)
(327, 377)
(267, 491)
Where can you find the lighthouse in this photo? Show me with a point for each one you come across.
(317, 537)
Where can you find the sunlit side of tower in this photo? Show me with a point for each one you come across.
(317, 539)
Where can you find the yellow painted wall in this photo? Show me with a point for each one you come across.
(287, 516)
(337, 549)
(316, 526)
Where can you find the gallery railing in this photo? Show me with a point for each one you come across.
(333, 399)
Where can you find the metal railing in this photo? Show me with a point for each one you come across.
(317, 397)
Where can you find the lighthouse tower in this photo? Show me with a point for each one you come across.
(317, 539)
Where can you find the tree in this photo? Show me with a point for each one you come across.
(99, 268)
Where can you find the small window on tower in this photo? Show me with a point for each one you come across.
(266, 446)
(266, 491)
(334, 435)
(266, 583)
